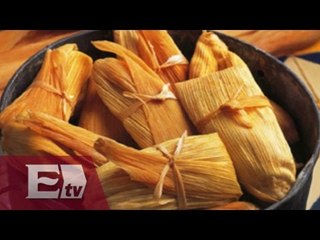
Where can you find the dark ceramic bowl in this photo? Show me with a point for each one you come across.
(275, 79)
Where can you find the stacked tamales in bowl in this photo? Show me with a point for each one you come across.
(171, 119)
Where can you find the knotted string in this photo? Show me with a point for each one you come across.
(143, 99)
(178, 59)
(237, 108)
(177, 178)
(66, 98)
(173, 60)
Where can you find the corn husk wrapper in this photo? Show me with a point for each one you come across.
(97, 118)
(137, 96)
(57, 87)
(128, 39)
(202, 170)
(231, 103)
(124, 194)
(35, 133)
(158, 50)
(212, 55)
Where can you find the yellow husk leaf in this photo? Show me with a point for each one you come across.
(207, 171)
(235, 107)
(127, 39)
(57, 87)
(97, 118)
(124, 194)
(158, 50)
(261, 155)
(159, 46)
(18, 137)
(212, 55)
(148, 122)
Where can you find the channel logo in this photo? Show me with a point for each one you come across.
(47, 176)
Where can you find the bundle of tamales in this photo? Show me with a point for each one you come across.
(57, 87)
(96, 117)
(154, 46)
(137, 96)
(158, 50)
(207, 173)
(196, 169)
(227, 100)
(173, 171)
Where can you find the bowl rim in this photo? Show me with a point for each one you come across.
(304, 174)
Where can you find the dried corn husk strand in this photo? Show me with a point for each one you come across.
(58, 84)
(97, 118)
(212, 55)
(21, 137)
(197, 169)
(137, 96)
(231, 103)
(158, 50)
(128, 39)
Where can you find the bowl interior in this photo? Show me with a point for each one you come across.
(275, 79)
